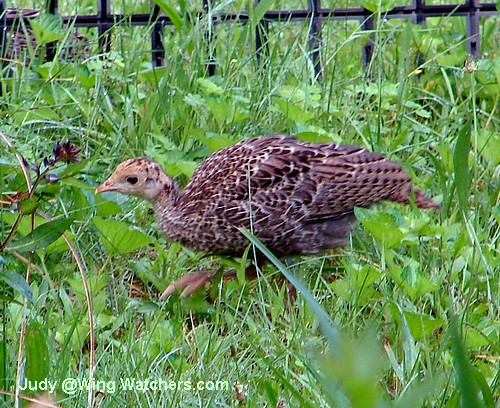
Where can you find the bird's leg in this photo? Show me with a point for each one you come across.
(292, 295)
(189, 283)
(290, 263)
(193, 281)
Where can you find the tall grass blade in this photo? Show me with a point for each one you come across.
(258, 12)
(171, 13)
(467, 385)
(461, 166)
(327, 325)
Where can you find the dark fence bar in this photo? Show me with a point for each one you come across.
(156, 36)
(315, 36)
(473, 38)
(368, 24)
(418, 12)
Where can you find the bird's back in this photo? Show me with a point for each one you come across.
(328, 177)
(297, 197)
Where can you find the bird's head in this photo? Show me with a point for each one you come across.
(140, 177)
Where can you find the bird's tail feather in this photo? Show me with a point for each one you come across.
(419, 198)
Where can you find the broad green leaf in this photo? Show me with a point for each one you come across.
(185, 167)
(97, 285)
(293, 112)
(421, 325)
(24, 228)
(73, 336)
(28, 205)
(475, 338)
(239, 115)
(297, 95)
(213, 141)
(105, 320)
(147, 307)
(209, 87)
(461, 166)
(18, 283)
(452, 59)
(85, 77)
(171, 13)
(37, 354)
(223, 111)
(70, 181)
(362, 276)
(488, 75)
(41, 236)
(419, 287)
(118, 237)
(105, 207)
(383, 226)
(315, 136)
(174, 162)
(386, 90)
(226, 112)
(341, 287)
(153, 76)
(51, 70)
(489, 146)
(41, 113)
(357, 367)
(194, 100)
(47, 28)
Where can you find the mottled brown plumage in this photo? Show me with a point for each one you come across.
(296, 197)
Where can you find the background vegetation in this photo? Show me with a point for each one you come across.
(414, 298)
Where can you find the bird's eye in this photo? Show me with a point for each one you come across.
(132, 180)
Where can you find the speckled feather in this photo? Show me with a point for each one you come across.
(297, 197)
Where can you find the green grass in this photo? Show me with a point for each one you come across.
(413, 301)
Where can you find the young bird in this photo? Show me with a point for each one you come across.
(298, 198)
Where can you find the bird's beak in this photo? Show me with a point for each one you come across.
(108, 185)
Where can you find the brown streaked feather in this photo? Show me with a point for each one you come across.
(297, 197)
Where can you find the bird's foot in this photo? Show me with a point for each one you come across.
(189, 283)
(194, 281)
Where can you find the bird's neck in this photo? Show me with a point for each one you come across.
(168, 196)
(171, 216)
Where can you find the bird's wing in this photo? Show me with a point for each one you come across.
(279, 173)
(349, 176)
(235, 172)
(326, 181)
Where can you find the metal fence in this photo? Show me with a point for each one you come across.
(314, 14)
